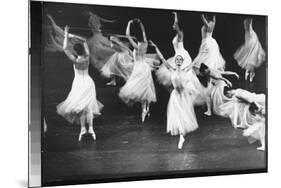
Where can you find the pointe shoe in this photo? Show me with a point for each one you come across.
(262, 148)
(208, 113)
(92, 132)
(83, 131)
(111, 83)
(181, 141)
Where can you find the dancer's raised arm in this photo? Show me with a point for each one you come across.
(128, 34)
(219, 77)
(143, 30)
(229, 73)
(65, 42)
(177, 28)
(160, 55)
(206, 23)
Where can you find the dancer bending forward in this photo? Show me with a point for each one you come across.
(81, 105)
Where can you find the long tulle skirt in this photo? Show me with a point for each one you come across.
(119, 64)
(251, 54)
(209, 54)
(139, 87)
(81, 100)
(181, 118)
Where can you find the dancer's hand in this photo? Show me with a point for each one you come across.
(137, 20)
(66, 29)
(229, 84)
(237, 76)
(152, 43)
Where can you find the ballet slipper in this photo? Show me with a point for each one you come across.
(143, 114)
(92, 132)
(208, 113)
(82, 132)
(262, 148)
(181, 141)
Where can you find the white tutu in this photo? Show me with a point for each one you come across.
(209, 54)
(119, 64)
(217, 96)
(181, 118)
(81, 100)
(251, 54)
(238, 111)
(139, 87)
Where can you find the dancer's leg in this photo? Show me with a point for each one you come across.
(181, 141)
(91, 127)
(252, 75)
(143, 114)
(246, 74)
(83, 126)
(208, 101)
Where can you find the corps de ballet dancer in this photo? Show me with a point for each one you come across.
(140, 86)
(163, 74)
(251, 54)
(81, 105)
(237, 109)
(209, 51)
(256, 131)
(181, 117)
(212, 87)
(120, 64)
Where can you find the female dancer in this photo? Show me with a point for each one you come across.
(209, 51)
(163, 74)
(237, 109)
(81, 104)
(251, 54)
(212, 87)
(181, 118)
(119, 64)
(256, 131)
(139, 87)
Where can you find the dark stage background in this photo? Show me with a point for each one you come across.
(119, 130)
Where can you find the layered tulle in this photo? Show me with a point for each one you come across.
(209, 54)
(119, 64)
(251, 54)
(139, 87)
(237, 108)
(81, 100)
(181, 118)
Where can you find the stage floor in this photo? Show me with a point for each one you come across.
(125, 146)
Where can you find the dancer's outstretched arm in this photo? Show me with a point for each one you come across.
(229, 73)
(65, 41)
(206, 23)
(216, 76)
(160, 55)
(128, 34)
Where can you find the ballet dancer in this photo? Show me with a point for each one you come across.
(209, 51)
(212, 86)
(163, 74)
(256, 131)
(81, 105)
(139, 87)
(237, 109)
(181, 118)
(251, 54)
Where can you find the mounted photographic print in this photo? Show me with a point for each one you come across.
(127, 93)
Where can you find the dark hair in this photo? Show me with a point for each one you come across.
(203, 67)
(79, 49)
(226, 89)
(253, 107)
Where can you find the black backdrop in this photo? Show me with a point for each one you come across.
(229, 31)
